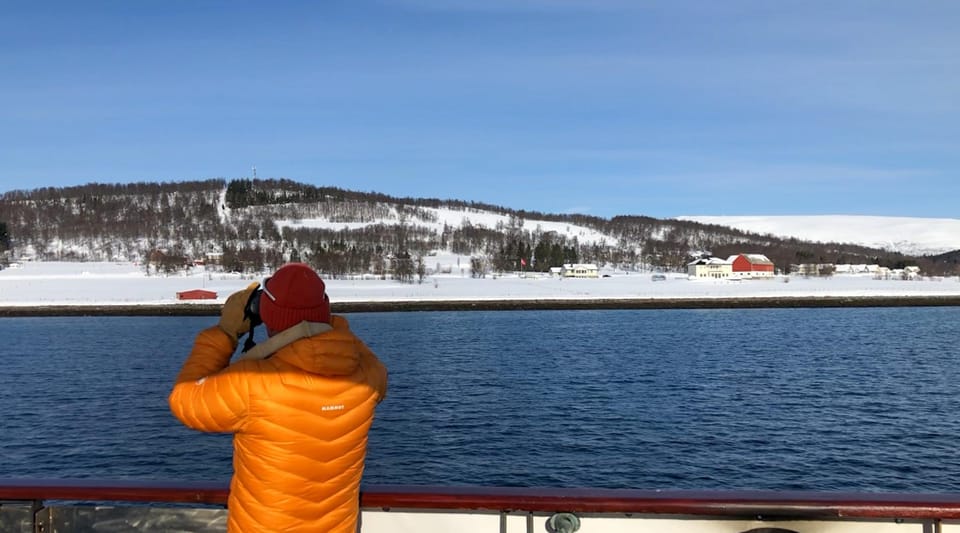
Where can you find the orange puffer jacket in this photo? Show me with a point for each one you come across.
(300, 420)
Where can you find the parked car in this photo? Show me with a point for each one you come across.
(659, 276)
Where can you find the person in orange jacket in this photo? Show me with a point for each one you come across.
(300, 406)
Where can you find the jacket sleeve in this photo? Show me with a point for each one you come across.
(207, 395)
(375, 371)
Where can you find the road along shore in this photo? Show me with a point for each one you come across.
(207, 309)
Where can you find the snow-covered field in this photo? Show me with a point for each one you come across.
(39, 284)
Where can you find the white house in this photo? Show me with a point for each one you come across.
(710, 267)
(580, 270)
(855, 269)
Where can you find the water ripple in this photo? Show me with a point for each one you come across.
(787, 399)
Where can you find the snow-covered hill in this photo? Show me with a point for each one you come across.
(913, 236)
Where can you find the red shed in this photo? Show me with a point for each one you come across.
(751, 265)
(196, 294)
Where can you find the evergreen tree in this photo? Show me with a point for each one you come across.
(4, 237)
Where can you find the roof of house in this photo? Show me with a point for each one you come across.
(711, 261)
(756, 259)
(196, 294)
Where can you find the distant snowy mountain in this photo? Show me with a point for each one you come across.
(912, 236)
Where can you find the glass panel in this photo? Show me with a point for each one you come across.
(16, 517)
(94, 519)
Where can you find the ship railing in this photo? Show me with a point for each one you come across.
(67, 506)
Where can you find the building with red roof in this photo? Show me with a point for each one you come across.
(196, 294)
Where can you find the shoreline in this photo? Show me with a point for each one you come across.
(193, 309)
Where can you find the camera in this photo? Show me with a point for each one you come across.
(252, 310)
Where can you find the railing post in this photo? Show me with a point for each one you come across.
(41, 517)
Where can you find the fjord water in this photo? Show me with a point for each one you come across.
(862, 399)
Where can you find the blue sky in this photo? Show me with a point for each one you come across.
(603, 107)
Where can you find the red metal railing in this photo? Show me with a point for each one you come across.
(742, 504)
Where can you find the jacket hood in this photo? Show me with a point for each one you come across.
(332, 353)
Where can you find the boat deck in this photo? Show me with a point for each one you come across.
(67, 506)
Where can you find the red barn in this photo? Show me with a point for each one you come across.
(196, 294)
(751, 265)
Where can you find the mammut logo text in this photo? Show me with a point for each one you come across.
(338, 407)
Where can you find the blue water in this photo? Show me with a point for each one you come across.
(807, 399)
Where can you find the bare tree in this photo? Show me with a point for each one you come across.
(421, 269)
(478, 267)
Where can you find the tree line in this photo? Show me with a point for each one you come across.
(254, 225)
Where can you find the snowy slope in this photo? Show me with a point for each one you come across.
(455, 218)
(915, 236)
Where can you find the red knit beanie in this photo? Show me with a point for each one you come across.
(295, 293)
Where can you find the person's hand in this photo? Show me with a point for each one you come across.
(232, 319)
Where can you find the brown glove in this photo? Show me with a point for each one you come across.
(232, 319)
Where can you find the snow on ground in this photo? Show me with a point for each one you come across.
(126, 284)
(223, 212)
(455, 218)
(914, 236)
